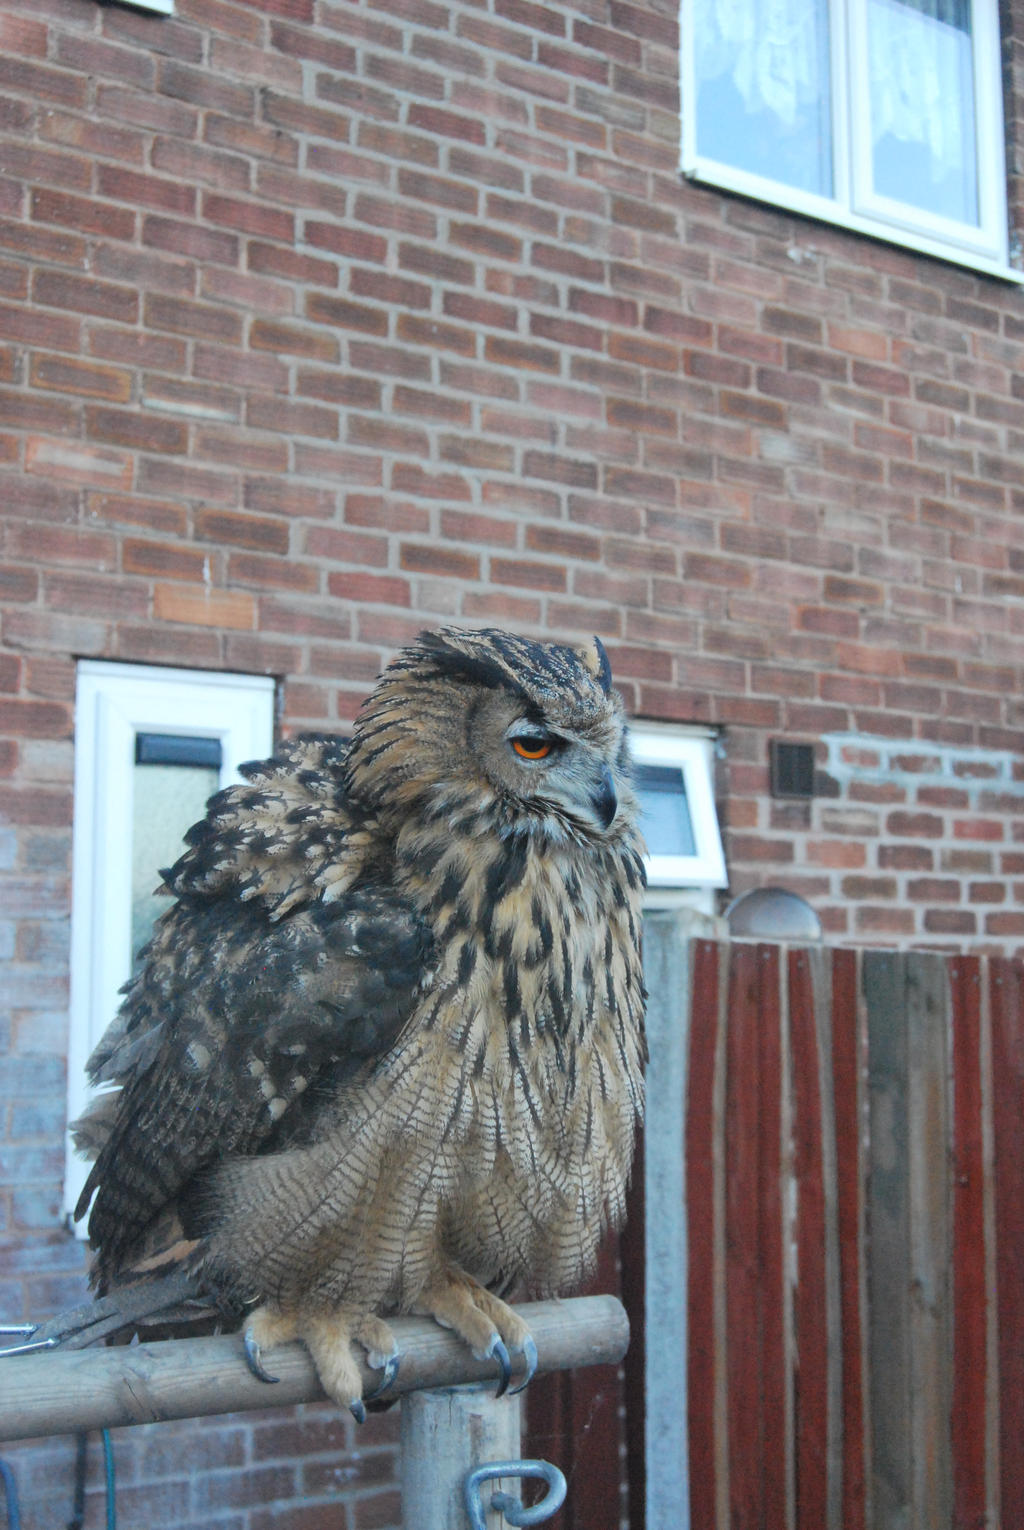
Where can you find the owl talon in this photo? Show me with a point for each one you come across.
(530, 1358)
(498, 1352)
(357, 1410)
(254, 1358)
(390, 1368)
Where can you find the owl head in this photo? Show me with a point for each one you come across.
(494, 732)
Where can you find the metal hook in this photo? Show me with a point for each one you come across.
(504, 1503)
(23, 1331)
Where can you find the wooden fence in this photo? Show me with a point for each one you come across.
(853, 1191)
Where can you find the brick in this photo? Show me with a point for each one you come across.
(271, 573)
(62, 374)
(446, 124)
(83, 214)
(200, 320)
(371, 588)
(191, 239)
(122, 427)
(248, 217)
(81, 464)
(200, 605)
(344, 314)
(439, 560)
(83, 294)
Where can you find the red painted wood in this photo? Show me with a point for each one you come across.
(845, 1086)
(770, 1240)
(755, 1342)
(1007, 1012)
(743, 1189)
(700, 1225)
(574, 1419)
(968, 1402)
(810, 1422)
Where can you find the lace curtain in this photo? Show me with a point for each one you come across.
(769, 47)
(919, 60)
(921, 85)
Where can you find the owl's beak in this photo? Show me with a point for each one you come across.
(605, 800)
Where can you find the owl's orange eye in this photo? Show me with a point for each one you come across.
(531, 747)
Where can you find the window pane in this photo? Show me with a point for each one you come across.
(664, 811)
(168, 799)
(763, 89)
(922, 105)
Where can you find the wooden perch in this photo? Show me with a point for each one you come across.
(60, 1392)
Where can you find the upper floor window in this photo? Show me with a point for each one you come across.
(882, 115)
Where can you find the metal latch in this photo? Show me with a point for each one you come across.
(504, 1503)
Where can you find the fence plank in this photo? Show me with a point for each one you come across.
(970, 1382)
(927, 1024)
(701, 1389)
(811, 1391)
(888, 1210)
(743, 1273)
(777, 1444)
(1007, 1012)
(846, 1072)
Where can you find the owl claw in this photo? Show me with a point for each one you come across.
(357, 1410)
(254, 1357)
(498, 1352)
(530, 1359)
(390, 1370)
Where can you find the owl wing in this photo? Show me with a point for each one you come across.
(255, 996)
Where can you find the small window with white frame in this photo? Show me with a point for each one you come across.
(882, 115)
(673, 778)
(151, 746)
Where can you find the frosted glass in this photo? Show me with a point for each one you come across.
(168, 799)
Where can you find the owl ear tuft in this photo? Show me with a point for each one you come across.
(597, 662)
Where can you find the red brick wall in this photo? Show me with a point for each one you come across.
(320, 322)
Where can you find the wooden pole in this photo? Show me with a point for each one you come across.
(60, 1392)
(445, 1435)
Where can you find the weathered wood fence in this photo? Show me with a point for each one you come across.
(855, 1198)
(844, 1345)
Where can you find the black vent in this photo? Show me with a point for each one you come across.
(177, 749)
(792, 767)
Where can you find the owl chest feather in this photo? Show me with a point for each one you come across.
(533, 1031)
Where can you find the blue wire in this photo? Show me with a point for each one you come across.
(108, 1462)
(11, 1495)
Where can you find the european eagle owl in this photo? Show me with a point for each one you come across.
(385, 1050)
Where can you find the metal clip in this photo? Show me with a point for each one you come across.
(504, 1503)
(23, 1331)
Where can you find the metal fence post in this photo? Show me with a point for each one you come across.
(446, 1432)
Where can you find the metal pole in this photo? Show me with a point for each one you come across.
(445, 1434)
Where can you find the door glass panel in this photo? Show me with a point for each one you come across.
(168, 800)
(665, 820)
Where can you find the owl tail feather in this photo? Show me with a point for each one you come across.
(153, 1306)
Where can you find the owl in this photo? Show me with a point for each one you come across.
(384, 1053)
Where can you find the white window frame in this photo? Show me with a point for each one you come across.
(854, 205)
(675, 880)
(114, 703)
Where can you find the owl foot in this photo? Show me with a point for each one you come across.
(266, 1329)
(487, 1324)
(329, 1339)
